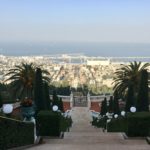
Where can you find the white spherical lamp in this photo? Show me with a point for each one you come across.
(109, 120)
(107, 114)
(7, 108)
(123, 113)
(55, 108)
(116, 116)
(133, 109)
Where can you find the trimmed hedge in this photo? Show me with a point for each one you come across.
(138, 124)
(48, 123)
(14, 133)
(134, 124)
(117, 125)
(65, 124)
(52, 123)
(99, 123)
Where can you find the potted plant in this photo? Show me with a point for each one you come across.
(27, 108)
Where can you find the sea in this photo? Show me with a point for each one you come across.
(106, 49)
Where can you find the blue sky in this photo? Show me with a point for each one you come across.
(75, 20)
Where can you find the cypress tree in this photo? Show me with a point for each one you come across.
(130, 101)
(38, 91)
(1, 102)
(55, 99)
(46, 96)
(110, 107)
(104, 107)
(61, 107)
(116, 104)
(143, 100)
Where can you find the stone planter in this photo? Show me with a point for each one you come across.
(27, 112)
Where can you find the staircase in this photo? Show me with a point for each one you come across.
(83, 136)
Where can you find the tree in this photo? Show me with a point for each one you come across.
(104, 107)
(46, 96)
(1, 102)
(143, 99)
(127, 75)
(130, 100)
(22, 79)
(110, 107)
(38, 91)
(116, 104)
(61, 107)
(55, 98)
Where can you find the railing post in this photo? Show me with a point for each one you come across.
(71, 99)
(89, 100)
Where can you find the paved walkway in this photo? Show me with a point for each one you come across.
(85, 137)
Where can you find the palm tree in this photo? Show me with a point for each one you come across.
(128, 75)
(22, 79)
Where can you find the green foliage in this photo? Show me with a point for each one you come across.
(3, 87)
(143, 99)
(52, 123)
(15, 133)
(138, 124)
(46, 96)
(134, 124)
(127, 75)
(61, 90)
(38, 91)
(117, 125)
(104, 107)
(100, 123)
(130, 101)
(110, 107)
(22, 77)
(60, 106)
(58, 101)
(55, 98)
(116, 104)
(1, 102)
(48, 123)
(65, 124)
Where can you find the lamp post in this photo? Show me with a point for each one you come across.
(55, 108)
(133, 109)
(123, 113)
(7, 109)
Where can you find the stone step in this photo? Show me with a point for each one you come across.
(83, 136)
(113, 146)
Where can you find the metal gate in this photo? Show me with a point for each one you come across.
(80, 101)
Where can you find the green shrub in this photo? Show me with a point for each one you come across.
(100, 123)
(65, 124)
(48, 123)
(138, 124)
(14, 133)
(117, 125)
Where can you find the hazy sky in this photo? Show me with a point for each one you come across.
(75, 20)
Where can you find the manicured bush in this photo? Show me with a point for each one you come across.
(100, 123)
(65, 123)
(52, 123)
(104, 107)
(48, 123)
(14, 133)
(117, 125)
(138, 124)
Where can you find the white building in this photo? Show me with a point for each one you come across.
(98, 62)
